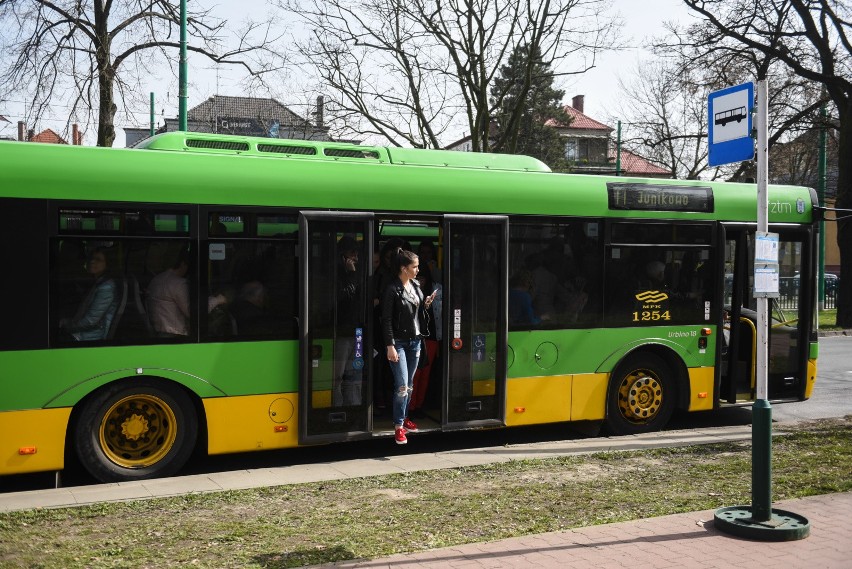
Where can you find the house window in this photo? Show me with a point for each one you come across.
(586, 149)
(571, 149)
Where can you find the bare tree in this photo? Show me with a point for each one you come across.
(410, 71)
(665, 109)
(666, 119)
(79, 53)
(811, 39)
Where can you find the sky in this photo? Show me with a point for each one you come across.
(643, 19)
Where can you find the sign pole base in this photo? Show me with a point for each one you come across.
(781, 525)
(760, 521)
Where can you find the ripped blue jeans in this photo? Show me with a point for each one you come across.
(403, 377)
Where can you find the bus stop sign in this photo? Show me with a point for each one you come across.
(729, 118)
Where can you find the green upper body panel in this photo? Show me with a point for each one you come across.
(393, 180)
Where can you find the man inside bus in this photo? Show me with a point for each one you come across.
(168, 299)
(347, 382)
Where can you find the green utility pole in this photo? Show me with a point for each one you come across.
(182, 70)
(821, 195)
(152, 114)
(618, 151)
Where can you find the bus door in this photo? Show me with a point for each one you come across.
(475, 325)
(335, 393)
(791, 315)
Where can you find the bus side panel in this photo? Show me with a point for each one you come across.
(701, 385)
(588, 401)
(254, 422)
(33, 441)
(535, 400)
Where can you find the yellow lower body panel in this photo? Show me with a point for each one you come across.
(812, 371)
(33, 441)
(535, 400)
(551, 399)
(588, 399)
(701, 381)
(252, 422)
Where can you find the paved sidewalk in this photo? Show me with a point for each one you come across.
(677, 541)
(358, 468)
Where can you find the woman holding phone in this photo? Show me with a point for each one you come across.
(404, 323)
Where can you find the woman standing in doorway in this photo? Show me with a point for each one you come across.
(404, 321)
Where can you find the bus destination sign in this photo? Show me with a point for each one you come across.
(659, 197)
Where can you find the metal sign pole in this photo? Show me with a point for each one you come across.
(761, 483)
(760, 521)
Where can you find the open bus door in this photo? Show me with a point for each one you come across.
(335, 393)
(791, 317)
(475, 320)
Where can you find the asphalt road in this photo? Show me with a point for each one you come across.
(832, 396)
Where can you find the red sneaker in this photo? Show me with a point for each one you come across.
(400, 437)
(409, 425)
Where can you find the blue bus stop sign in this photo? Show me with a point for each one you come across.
(729, 118)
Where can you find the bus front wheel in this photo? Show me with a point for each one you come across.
(136, 430)
(641, 395)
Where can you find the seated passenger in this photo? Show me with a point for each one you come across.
(251, 314)
(95, 314)
(168, 299)
(520, 300)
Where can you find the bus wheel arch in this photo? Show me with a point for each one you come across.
(135, 429)
(645, 388)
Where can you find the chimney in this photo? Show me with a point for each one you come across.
(319, 111)
(76, 137)
(577, 102)
(22, 128)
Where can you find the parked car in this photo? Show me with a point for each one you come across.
(832, 282)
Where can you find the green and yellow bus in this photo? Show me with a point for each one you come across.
(565, 297)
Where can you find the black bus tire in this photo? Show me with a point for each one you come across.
(641, 396)
(135, 430)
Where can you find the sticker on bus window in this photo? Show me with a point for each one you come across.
(652, 306)
(216, 252)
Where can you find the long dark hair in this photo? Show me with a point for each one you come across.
(404, 258)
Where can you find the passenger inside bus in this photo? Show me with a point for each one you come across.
(95, 314)
(432, 341)
(520, 299)
(348, 378)
(250, 312)
(168, 299)
(382, 277)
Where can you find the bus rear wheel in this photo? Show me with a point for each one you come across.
(135, 430)
(641, 395)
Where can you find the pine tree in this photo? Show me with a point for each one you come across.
(528, 107)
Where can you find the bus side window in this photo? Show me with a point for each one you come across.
(252, 284)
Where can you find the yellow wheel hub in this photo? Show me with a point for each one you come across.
(134, 427)
(138, 431)
(640, 396)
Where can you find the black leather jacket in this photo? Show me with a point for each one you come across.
(398, 313)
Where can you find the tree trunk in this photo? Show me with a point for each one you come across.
(106, 76)
(844, 226)
(106, 113)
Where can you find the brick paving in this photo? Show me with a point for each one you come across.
(687, 540)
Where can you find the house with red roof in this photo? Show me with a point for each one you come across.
(48, 135)
(589, 147)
